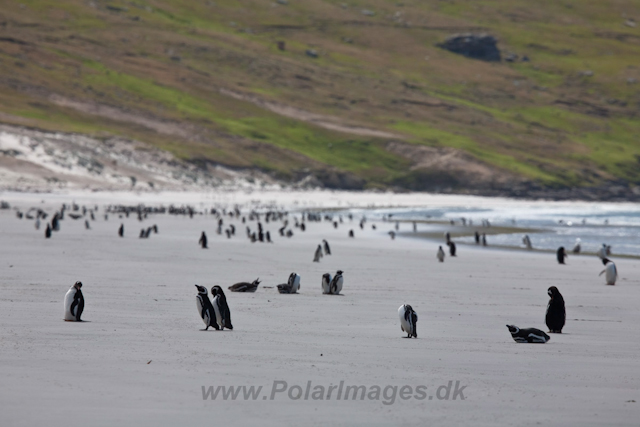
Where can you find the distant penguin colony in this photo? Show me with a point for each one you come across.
(530, 335)
(610, 271)
(556, 315)
(215, 313)
(408, 320)
(74, 303)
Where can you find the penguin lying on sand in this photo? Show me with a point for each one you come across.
(530, 335)
(245, 286)
(292, 286)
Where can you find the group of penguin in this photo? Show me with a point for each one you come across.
(215, 313)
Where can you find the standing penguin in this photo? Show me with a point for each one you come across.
(121, 230)
(351, 233)
(611, 271)
(440, 255)
(408, 320)
(327, 250)
(452, 248)
(477, 235)
(47, 232)
(74, 303)
(336, 283)
(527, 241)
(205, 309)
(561, 254)
(556, 314)
(602, 252)
(484, 239)
(220, 307)
(326, 283)
(318, 254)
(86, 224)
(577, 247)
(203, 241)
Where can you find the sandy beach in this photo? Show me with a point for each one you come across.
(140, 358)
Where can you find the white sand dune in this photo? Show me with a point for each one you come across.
(140, 307)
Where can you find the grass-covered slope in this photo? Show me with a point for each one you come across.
(381, 104)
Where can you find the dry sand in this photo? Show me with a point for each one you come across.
(140, 307)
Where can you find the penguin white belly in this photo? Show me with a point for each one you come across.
(326, 284)
(404, 325)
(68, 300)
(296, 284)
(611, 274)
(205, 318)
(216, 309)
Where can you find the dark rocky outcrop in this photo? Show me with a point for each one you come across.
(476, 46)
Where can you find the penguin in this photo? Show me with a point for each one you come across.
(203, 241)
(142, 234)
(37, 224)
(484, 239)
(205, 309)
(408, 320)
(292, 286)
(221, 309)
(527, 241)
(326, 283)
(268, 235)
(74, 303)
(440, 255)
(561, 254)
(327, 249)
(351, 233)
(335, 286)
(392, 234)
(447, 237)
(86, 224)
(47, 232)
(318, 254)
(477, 235)
(452, 249)
(602, 252)
(577, 247)
(556, 314)
(55, 224)
(245, 286)
(530, 335)
(611, 271)
(121, 230)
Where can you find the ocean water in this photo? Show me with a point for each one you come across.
(616, 224)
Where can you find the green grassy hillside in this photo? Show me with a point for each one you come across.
(380, 105)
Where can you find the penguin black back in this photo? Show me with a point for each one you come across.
(561, 254)
(220, 301)
(529, 335)
(556, 314)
